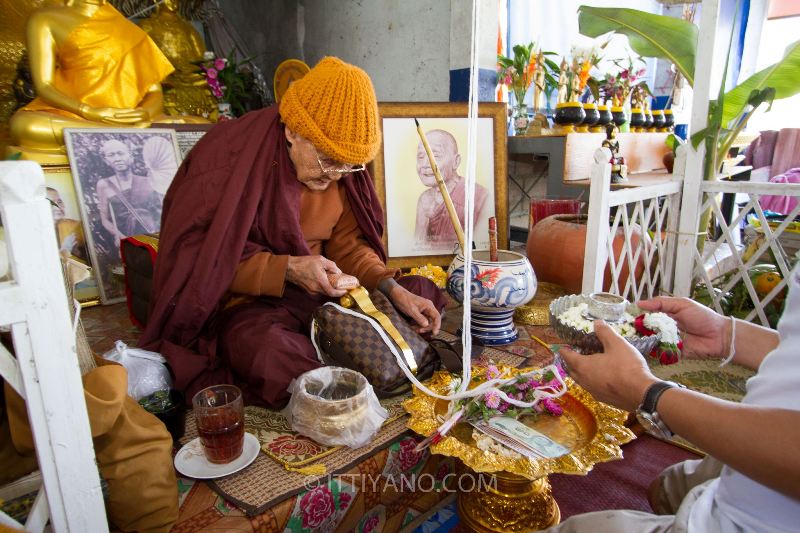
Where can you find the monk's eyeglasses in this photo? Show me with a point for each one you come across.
(330, 166)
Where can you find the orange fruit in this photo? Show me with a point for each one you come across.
(767, 281)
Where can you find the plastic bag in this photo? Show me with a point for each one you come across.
(335, 406)
(147, 371)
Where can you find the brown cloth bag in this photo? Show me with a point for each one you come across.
(132, 447)
(353, 342)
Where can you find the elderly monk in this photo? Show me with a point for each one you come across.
(91, 68)
(260, 212)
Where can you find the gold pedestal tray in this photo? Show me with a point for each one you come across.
(514, 494)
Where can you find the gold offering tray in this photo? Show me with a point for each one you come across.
(592, 431)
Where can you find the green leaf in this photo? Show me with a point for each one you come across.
(783, 76)
(649, 35)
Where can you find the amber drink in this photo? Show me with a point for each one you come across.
(219, 414)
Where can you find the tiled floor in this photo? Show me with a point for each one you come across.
(106, 324)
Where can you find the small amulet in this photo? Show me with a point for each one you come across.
(343, 281)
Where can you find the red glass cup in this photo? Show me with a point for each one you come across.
(219, 413)
(542, 208)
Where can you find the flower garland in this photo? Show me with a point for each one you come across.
(669, 348)
(522, 388)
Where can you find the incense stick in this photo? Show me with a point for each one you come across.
(448, 202)
(492, 239)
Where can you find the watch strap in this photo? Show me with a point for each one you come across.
(653, 394)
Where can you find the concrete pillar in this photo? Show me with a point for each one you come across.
(460, 48)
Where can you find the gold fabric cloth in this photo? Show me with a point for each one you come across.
(107, 61)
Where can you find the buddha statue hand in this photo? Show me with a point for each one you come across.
(115, 115)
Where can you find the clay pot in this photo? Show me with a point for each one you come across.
(556, 248)
(669, 161)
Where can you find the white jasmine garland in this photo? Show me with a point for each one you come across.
(575, 317)
(662, 323)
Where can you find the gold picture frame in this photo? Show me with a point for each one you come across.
(416, 232)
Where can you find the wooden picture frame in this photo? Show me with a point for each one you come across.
(417, 229)
(70, 235)
(140, 164)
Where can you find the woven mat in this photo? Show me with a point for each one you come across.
(269, 479)
(706, 376)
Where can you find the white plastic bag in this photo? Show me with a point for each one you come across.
(147, 371)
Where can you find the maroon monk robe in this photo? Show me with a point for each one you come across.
(237, 194)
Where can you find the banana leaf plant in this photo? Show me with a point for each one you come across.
(675, 40)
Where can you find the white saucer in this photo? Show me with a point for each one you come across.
(191, 461)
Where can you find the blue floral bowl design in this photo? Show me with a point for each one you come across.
(496, 289)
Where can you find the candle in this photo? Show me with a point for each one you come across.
(492, 239)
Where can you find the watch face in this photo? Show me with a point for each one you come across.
(651, 426)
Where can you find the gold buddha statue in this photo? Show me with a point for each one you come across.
(185, 90)
(91, 68)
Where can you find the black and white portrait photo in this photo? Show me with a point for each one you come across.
(121, 176)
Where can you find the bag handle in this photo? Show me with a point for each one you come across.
(361, 297)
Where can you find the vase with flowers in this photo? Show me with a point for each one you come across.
(617, 88)
(227, 81)
(517, 74)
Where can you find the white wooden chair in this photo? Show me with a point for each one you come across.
(45, 371)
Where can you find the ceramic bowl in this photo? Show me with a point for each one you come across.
(496, 289)
(568, 114)
(588, 342)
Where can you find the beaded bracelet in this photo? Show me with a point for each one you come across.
(732, 350)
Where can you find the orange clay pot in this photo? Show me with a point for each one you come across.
(556, 250)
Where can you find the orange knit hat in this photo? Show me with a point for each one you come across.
(334, 107)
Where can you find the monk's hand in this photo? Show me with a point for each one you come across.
(419, 309)
(618, 375)
(311, 273)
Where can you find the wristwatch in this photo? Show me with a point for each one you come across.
(646, 413)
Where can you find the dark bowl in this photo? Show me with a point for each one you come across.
(648, 121)
(592, 116)
(569, 113)
(637, 118)
(669, 119)
(618, 116)
(174, 417)
(605, 116)
(658, 119)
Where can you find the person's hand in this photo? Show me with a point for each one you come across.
(311, 273)
(618, 375)
(706, 334)
(420, 309)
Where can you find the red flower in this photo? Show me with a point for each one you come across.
(641, 329)
(316, 506)
(371, 523)
(667, 354)
(344, 499)
(407, 457)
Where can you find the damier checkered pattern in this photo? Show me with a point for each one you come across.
(353, 342)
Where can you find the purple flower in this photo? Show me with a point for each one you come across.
(219, 63)
(624, 74)
(507, 80)
(492, 400)
(492, 372)
(640, 73)
(522, 385)
(552, 406)
(211, 73)
(504, 407)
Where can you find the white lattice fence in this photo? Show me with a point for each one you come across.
(630, 252)
(770, 241)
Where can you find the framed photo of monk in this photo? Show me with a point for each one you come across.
(120, 177)
(418, 228)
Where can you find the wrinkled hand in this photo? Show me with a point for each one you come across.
(420, 309)
(618, 375)
(706, 334)
(311, 273)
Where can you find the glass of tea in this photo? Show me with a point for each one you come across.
(219, 413)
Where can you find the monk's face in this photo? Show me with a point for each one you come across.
(57, 204)
(306, 159)
(445, 151)
(117, 155)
